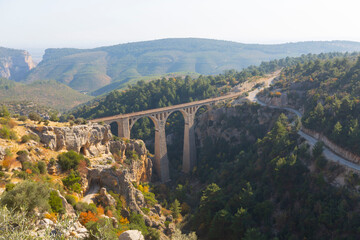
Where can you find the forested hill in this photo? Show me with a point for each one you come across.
(91, 69)
(166, 92)
(329, 92)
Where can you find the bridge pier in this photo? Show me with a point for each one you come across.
(161, 157)
(123, 128)
(189, 150)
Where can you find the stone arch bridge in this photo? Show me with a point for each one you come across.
(159, 116)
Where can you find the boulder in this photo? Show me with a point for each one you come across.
(131, 235)
(105, 199)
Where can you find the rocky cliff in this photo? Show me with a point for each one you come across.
(228, 123)
(15, 64)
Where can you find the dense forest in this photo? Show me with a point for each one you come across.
(264, 189)
(329, 91)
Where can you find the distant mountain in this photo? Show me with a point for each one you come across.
(90, 69)
(46, 93)
(15, 64)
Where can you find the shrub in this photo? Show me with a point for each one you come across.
(86, 217)
(42, 167)
(72, 181)
(29, 137)
(7, 133)
(34, 116)
(9, 187)
(4, 112)
(22, 118)
(71, 200)
(55, 202)
(84, 207)
(69, 160)
(28, 195)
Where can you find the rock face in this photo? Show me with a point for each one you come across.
(15, 64)
(228, 123)
(90, 139)
(131, 235)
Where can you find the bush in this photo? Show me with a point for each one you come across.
(55, 202)
(7, 133)
(42, 167)
(4, 112)
(72, 181)
(34, 116)
(69, 160)
(71, 200)
(84, 207)
(27, 195)
(9, 187)
(29, 137)
(22, 118)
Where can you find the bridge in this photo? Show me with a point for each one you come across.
(159, 116)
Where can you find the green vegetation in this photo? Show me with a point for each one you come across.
(72, 181)
(46, 93)
(265, 191)
(55, 202)
(329, 91)
(27, 195)
(69, 160)
(90, 69)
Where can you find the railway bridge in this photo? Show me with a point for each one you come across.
(159, 116)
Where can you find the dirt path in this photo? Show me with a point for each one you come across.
(90, 195)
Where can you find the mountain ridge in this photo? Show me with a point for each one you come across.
(90, 69)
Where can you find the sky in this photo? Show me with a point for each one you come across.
(91, 23)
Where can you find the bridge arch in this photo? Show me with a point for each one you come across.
(159, 116)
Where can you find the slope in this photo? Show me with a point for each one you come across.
(90, 69)
(47, 93)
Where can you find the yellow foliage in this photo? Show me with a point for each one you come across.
(100, 211)
(146, 189)
(123, 221)
(51, 216)
(140, 187)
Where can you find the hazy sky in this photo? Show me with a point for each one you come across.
(90, 23)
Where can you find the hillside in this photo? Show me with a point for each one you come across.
(328, 92)
(15, 64)
(46, 93)
(90, 69)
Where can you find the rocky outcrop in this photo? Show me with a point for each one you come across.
(131, 235)
(90, 140)
(15, 64)
(135, 152)
(2, 153)
(104, 198)
(228, 123)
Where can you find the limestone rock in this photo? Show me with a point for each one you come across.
(91, 139)
(104, 198)
(2, 153)
(68, 208)
(131, 235)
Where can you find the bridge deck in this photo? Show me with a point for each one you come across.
(164, 109)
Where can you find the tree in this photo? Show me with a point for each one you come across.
(318, 149)
(175, 209)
